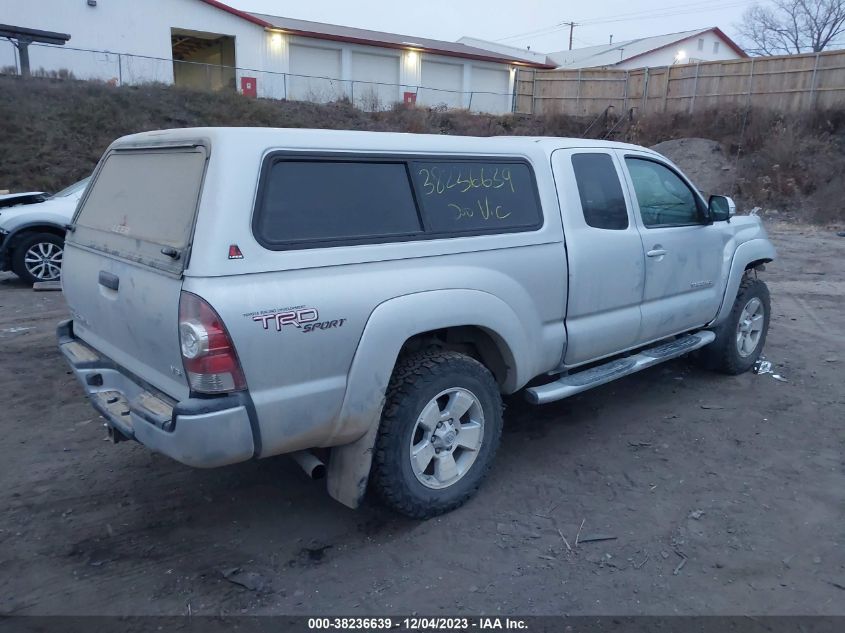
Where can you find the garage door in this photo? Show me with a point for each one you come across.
(315, 74)
(375, 81)
(441, 84)
(490, 90)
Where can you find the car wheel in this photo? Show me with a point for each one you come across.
(740, 339)
(439, 432)
(39, 258)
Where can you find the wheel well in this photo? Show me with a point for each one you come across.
(757, 264)
(471, 340)
(23, 233)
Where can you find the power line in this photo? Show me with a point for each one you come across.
(585, 42)
(680, 11)
(691, 7)
(666, 11)
(536, 32)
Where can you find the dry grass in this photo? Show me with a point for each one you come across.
(791, 163)
(52, 132)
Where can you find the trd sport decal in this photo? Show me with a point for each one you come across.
(304, 319)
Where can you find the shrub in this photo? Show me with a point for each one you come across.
(52, 133)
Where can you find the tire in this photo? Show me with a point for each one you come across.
(424, 389)
(727, 354)
(38, 257)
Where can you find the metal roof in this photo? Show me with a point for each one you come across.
(320, 30)
(21, 33)
(334, 32)
(524, 54)
(612, 54)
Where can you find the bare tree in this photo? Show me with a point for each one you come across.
(786, 27)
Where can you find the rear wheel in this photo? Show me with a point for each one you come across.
(740, 339)
(38, 257)
(439, 433)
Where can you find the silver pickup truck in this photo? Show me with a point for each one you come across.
(362, 300)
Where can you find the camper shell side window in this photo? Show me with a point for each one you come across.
(317, 201)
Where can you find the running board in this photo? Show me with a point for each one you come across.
(580, 381)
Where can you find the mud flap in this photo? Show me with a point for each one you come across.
(349, 468)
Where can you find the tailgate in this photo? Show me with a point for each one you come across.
(123, 260)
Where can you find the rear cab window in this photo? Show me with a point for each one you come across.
(142, 205)
(600, 191)
(310, 202)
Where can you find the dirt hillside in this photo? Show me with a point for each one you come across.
(53, 131)
(706, 162)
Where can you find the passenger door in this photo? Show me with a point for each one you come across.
(606, 267)
(684, 251)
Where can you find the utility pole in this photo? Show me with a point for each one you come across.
(571, 26)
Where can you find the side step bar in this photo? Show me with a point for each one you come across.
(580, 381)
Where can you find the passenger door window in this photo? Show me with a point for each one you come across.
(602, 201)
(664, 199)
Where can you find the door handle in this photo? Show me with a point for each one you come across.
(656, 252)
(109, 280)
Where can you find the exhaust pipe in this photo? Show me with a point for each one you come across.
(310, 463)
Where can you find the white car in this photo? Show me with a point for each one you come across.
(32, 236)
(22, 197)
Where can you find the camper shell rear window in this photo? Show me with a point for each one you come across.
(308, 201)
(142, 205)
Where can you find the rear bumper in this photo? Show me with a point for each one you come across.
(204, 433)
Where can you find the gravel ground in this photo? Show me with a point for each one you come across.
(723, 495)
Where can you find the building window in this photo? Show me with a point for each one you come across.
(715, 47)
(701, 43)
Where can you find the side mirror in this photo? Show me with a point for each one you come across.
(721, 208)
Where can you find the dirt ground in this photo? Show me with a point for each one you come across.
(707, 163)
(724, 495)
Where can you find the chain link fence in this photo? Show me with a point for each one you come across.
(119, 69)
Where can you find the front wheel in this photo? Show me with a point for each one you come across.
(439, 432)
(38, 257)
(740, 339)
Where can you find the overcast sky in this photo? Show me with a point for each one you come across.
(535, 23)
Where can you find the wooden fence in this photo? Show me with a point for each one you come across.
(790, 83)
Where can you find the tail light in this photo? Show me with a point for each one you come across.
(209, 357)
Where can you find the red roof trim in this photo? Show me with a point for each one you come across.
(380, 44)
(736, 47)
(234, 11)
(424, 49)
(733, 45)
